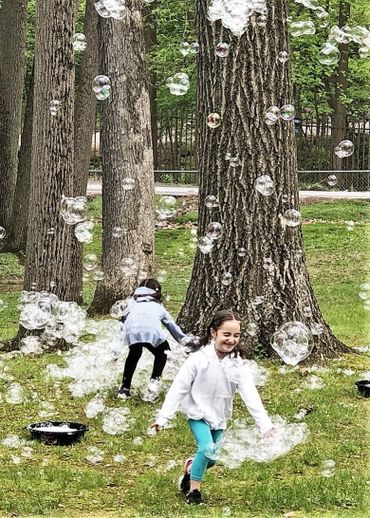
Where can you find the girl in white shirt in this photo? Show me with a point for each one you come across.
(204, 387)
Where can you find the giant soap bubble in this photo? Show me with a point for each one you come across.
(293, 342)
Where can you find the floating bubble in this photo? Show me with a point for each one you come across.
(128, 266)
(234, 161)
(102, 87)
(119, 458)
(261, 20)
(205, 244)
(251, 329)
(194, 47)
(128, 183)
(350, 225)
(90, 262)
(162, 276)
(314, 383)
(293, 342)
(2, 305)
(364, 293)
(332, 180)
(98, 275)
(185, 48)
(117, 421)
(222, 49)
(272, 115)
(51, 231)
(212, 202)
(12, 441)
(344, 149)
(316, 328)
(241, 252)
(226, 279)
(283, 56)
(292, 218)
(213, 120)
(54, 107)
(214, 230)
(94, 407)
(287, 112)
(2, 232)
(328, 468)
(166, 207)
(83, 232)
(79, 42)
(30, 345)
(329, 54)
(235, 15)
(73, 209)
(111, 8)
(178, 84)
(264, 185)
(46, 410)
(14, 394)
(301, 28)
(95, 455)
(257, 301)
(117, 232)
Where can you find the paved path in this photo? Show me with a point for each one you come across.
(94, 188)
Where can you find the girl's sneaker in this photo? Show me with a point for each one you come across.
(184, 484)
(123, 392)
(194, 497)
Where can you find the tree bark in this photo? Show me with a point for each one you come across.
(126, 153)
(17, 239)
(49, 254)
(241, 87)
(12, 71)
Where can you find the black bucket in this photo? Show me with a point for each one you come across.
(363, 387)
(47, 432)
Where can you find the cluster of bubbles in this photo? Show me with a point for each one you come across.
(73, 209)
(364, 295)
(293, 342)
(58, 319)
(330, 54)
(31, 345)
(54, 107)
(274, 113)
(189, 48)
(110, 8)
(236, 15)
(178, 84)
(344, 149)
(79, 42)
(102, 87)
(117, 420)
(242, 441)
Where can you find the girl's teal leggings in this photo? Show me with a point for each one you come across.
(204, 437)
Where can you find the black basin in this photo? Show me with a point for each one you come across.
(61, 437)
(363, 387)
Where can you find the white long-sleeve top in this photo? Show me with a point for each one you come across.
(205, 386)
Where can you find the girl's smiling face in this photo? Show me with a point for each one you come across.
(226, 337)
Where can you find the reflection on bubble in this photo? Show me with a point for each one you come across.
(184, 48)
(283, 56)
(83, 232)
(90, 262)
(292, 218)
(54, 107)
(222, 49)
(2, 232)
(79, 42)
(301, 28)
(264, 185)
(73, 209)
(205, 244)
(178, 84)
(212, 202)
(329, 54)
(344, 149)
(102, 87)
(332, 180)
(287, 112)
(226, 279)
(128, 266)
(293, 342)
(128, 183)
(166, 207)
(241, 252)
(213, 120)
(111, 8)
(272, 115)
(214, 230)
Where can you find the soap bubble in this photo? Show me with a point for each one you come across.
(226, 279)
(283, 56)
(79, 42)
(90, 262)
(166, 207)
(128, 266)
(251, 329)
(30, 345)
(162, 276)
(194, 47)
(301, 28)
(222, 49)
(128, 183)
(73, 209)
(205, 244)
(118, 308)
(287, 112)
(94, 407)
(214, 230)
(2, 232)
(329, 54)
(261, 20)
(293, 342)
(212, 202)
(54, 107)
(316, 328)
(14, 395)
(314, 383)
(213, 120)
(117, 420)
(184, 48)
(234, 161)
(235, 15)
(350, 225)
(83, 232)
(98, 275)
(292, 218)
(102, 87)
(264, 185)
(178, 84)
(110, 8)
(344, 149)
(364, 292)
(46, 410)
(117, 232)
(241, 252)
(12, 441)
(119, 458)
(328, 468)
(272, 115)
(95, 455)
(332, 180)
(2, 305)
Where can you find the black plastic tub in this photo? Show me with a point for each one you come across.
(363, 387)
(57, 432)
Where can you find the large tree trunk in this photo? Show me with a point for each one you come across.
(84, 124)
(12, 69)
(48, 254)
(17, 238)
(339, 117)
(126, 153)
(241, 87)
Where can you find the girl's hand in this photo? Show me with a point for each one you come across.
(269, 434)
(156, 427)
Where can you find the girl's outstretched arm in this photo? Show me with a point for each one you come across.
(252, 400)
(171, 325)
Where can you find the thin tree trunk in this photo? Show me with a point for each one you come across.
(12, 71)
(126, 153)
(241, 87)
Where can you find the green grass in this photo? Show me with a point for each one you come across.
(59, 481)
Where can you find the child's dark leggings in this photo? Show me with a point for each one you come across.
(135, 352)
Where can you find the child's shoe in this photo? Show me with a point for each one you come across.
(194, 497)
(184, 484)
(123, 392)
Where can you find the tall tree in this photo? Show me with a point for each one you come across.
(270, 283)
(127, 159)
(49, 239)
(12, 69)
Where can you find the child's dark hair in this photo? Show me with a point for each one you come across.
(153, 285)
